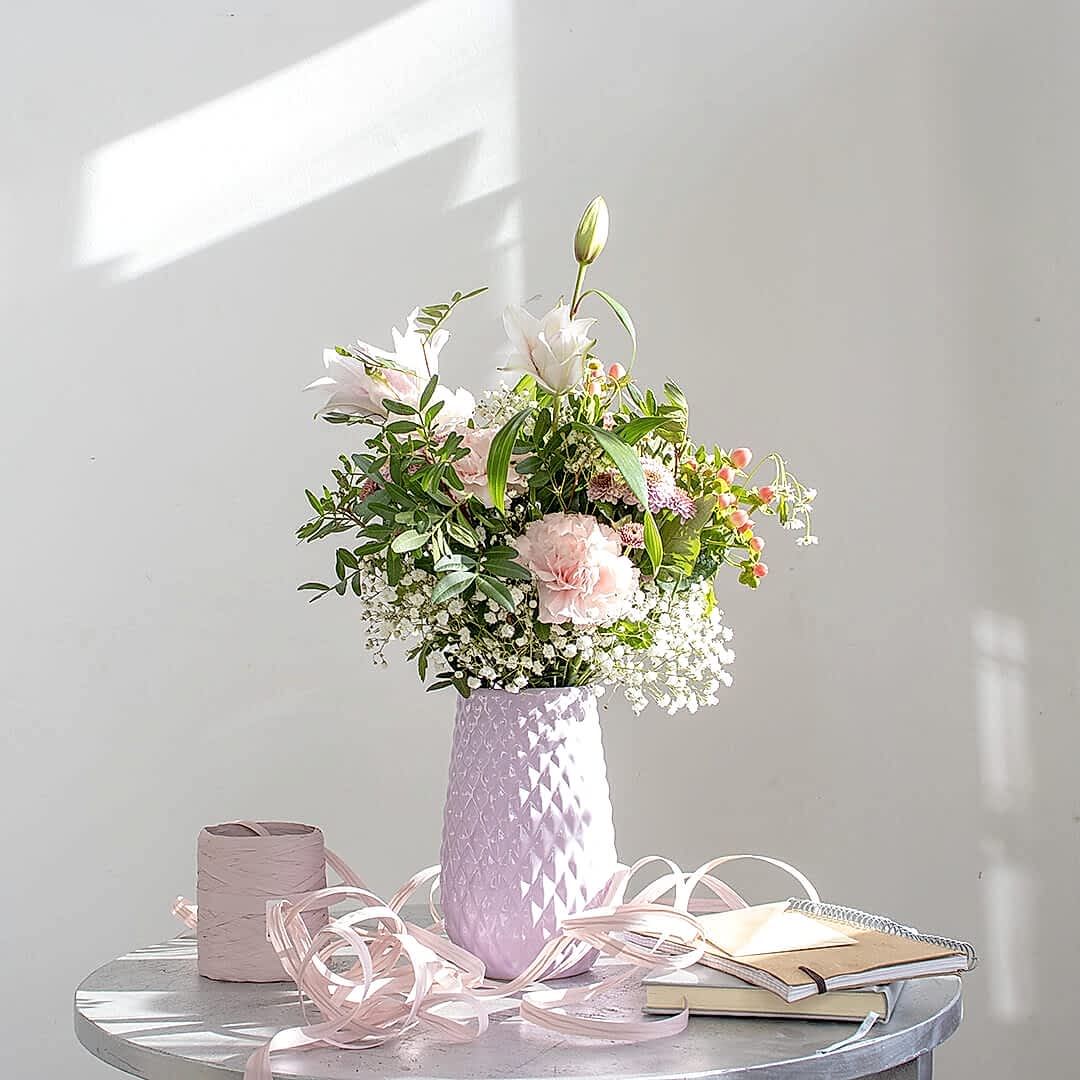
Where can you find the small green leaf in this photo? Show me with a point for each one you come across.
(315, 504)
(399, 407)
(313, 585)
(496, 591)
(454, 583)
(394, 567)
(507, 570)
(621, 314)
(636, 429)
(425, 397)
(463, 533)
(454, 562)
(409, 540)
(400, 427)
(344, 555)
(502, 449)
(653, 544)
(682, 539)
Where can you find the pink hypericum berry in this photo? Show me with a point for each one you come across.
(595, 388)
(727, 474)
(747, 527)
(740, 458)
(766, 494)
(757, 544)
(726, 499)
(760, 570)
(616, 372)
(739, 518)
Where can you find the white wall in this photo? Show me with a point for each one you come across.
(850, 228)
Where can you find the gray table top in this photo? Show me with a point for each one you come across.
(151, 1015)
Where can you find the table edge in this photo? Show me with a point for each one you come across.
(847, 1063)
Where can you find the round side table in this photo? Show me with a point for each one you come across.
(149, 1014)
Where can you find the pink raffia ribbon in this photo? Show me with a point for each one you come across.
(402, 976)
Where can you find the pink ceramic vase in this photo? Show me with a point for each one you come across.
(527, 831)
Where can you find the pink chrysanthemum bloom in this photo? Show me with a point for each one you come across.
(632, 535)
(607, 486)
(659, 485)
(682, 505)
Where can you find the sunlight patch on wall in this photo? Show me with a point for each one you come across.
(1008, 949)
(1001, 711)
(439, 73)
(1006, 781)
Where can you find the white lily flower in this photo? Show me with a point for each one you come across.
(551, 348)
(357, 385)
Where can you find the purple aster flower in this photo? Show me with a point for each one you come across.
(681, 504)
(659, 485)
(632, 535)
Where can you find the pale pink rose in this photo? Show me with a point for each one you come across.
(473, 469)
(581, 574)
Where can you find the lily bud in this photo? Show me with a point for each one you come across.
(592, 230)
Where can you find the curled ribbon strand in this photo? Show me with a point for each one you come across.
(401, 975)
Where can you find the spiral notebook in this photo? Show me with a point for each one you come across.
(880, 951)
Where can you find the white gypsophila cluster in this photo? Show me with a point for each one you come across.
(498, 406)
(584, 455)
(684, 664)
(670, 648)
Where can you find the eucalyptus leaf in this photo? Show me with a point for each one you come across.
(454, 583)
(409, 540)
(496, 591)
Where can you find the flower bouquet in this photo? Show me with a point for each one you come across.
(558, 537)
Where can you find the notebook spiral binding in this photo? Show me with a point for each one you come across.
(866, 921)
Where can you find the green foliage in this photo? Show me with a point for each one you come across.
(432, 317)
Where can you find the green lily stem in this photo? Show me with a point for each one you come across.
(582, 267)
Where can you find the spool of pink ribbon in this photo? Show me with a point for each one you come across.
(242, 865)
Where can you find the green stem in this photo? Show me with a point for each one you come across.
(582, 267)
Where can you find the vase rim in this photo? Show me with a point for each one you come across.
(527, 690)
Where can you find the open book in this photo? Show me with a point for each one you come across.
(878, 951)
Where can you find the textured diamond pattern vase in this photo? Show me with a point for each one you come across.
(527, 830)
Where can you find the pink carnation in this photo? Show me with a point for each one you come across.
(581, 574)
